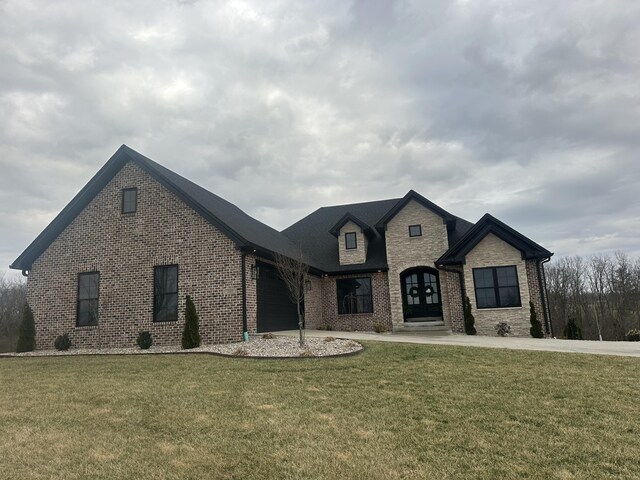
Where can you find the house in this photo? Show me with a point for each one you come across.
(123, 254)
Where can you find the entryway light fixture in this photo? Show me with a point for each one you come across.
(255, 273)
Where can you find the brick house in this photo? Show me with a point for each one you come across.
(123, 254)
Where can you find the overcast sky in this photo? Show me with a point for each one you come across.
(529, 110)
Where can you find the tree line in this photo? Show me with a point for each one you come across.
(12, 300)
(601, 293)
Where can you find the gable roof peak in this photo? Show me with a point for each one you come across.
(349, 217)
(413, 195)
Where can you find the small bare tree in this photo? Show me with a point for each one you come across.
(294, 270)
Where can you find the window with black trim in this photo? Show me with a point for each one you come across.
(165, 293)
(415, 230)
(354, 295)
(129, 200)
(496, 287)
(88, 299)
(350, 240)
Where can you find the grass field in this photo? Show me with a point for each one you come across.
(395, 411)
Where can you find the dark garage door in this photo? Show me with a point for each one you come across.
(276, 311)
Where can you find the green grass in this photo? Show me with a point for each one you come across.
(395, 411)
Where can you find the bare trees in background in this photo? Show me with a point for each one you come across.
(12, 300)
(601, 292)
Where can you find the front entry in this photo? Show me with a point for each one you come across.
(421, 300)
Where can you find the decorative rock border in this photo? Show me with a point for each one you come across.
(267, 348)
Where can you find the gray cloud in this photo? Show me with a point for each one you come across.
(528, 110)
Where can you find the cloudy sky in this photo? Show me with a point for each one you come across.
(527, 110)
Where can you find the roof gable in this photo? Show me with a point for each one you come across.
(412, 195)
(489, 224)
(243, 230)
(349, 217)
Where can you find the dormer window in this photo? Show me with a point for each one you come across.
(350, 241)
(129, 200)
(415, 230)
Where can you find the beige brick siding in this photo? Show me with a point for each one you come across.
(125, 249)
(354, 255)
(534, 290)
(453, 308)
(405, 252)
(322, 309)
(492, 251)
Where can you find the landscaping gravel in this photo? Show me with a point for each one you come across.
(280, 347)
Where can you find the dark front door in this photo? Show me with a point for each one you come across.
(276, 311)
(421, 295)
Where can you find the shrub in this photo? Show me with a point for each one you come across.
(191, 332)
(306, 353)
(328, 328)
(268, 336)
(379, 327)
(62, 343)
(633, 335)
(503, 329)
(321, 327)
(144, 340)
(536, 326)
(240, 352)
(329, 339)
(27, 333)
(469, 320)
(572, 331)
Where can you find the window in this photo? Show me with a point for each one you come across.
(165, 293)
(129, 200)
(415, 230)
(354, 295)
(350, 240)
(88, 292)
(496, 287)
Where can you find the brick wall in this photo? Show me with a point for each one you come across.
(491, 251)
(323, 308)
(354, 255)
(534, 290)
(405, 252)
(125, 249)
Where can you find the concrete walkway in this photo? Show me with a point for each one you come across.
(626, 349)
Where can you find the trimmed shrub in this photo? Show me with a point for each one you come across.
(27, 332)
(379, 327)
(329, 339)
(306, 353)
(62, 343)
(536, 326)
(329, 328)
(268, 336)
(633, 335)
(572, 331)
(503, 329)
(191, 332)
(469, 320)
(144, 340)
(240, 352)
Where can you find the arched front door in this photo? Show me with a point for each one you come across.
(421, 300)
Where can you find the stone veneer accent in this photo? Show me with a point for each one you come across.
(534, 291)
(405, 252)
(492, 251)
(322, 308)
(354, 255)
(124, 248)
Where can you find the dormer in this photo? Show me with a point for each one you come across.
(353, 239)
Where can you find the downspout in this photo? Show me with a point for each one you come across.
(245, 330)
(543, 295)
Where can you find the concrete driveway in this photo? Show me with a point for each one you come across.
(626, 349)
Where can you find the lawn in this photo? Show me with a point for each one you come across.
(394, 411)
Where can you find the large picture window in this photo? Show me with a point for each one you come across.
(165, 293)
(496, 287)
(88, 301)
(354, 295)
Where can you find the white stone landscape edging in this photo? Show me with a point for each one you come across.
(256, 347)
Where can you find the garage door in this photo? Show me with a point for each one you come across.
(276, 311)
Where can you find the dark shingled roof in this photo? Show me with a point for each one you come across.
(314, 234)
(245, 231)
